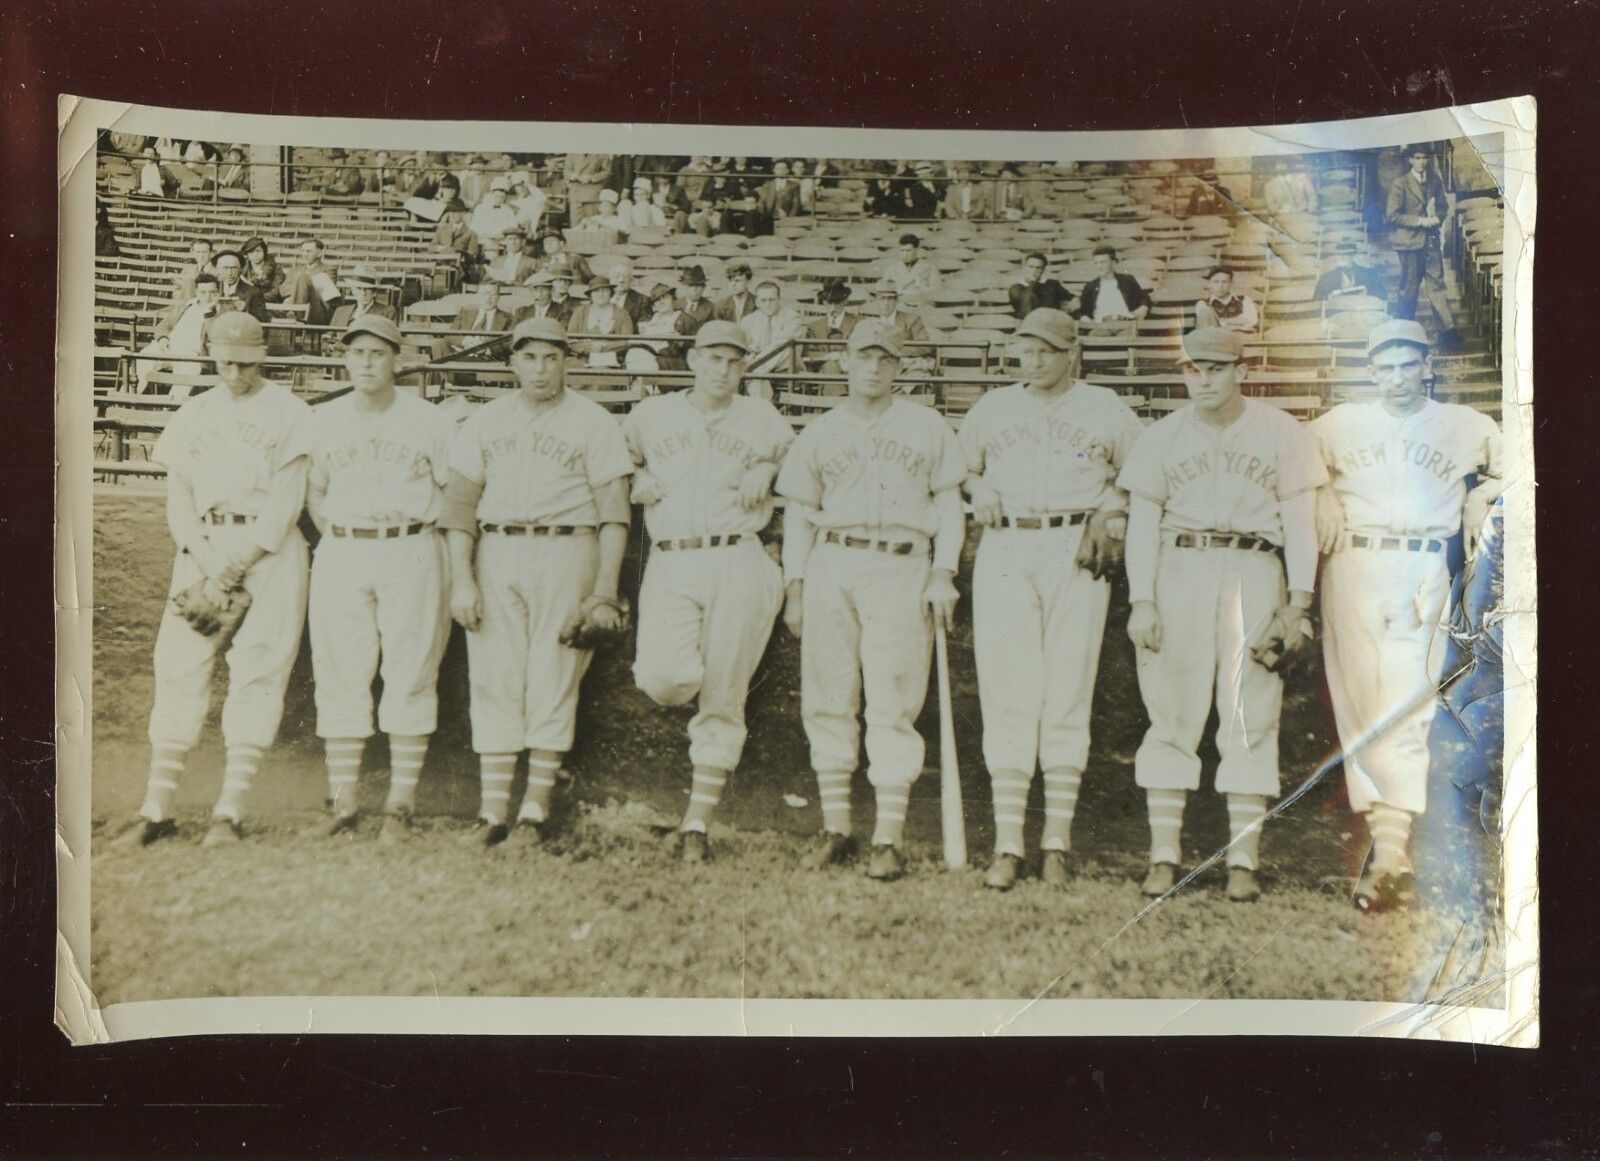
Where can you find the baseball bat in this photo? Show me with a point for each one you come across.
(955, 823)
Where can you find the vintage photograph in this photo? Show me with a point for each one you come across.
(1070, 572)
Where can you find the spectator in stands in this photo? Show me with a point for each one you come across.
(660, 323)
(1417, 210)
(197, 153)
(510, 260)
(344, 178)
(772, 322)
(607, 325)
(586, 173)
(1348, 278)
(884, 199)
(168, 150)
(528, 201)
(565, 296)
(105, 235)
(1210, 198)
(181, 331)
(541, 286)
(155, 180)
(362, 285)
(922, 197)
(453, 230)
(1111, 302)
(492, 218)
(1035, 291)
(310, 284)
(966, 199)
(262, 270)
(233, 174)
(886, 303)
(836, 324)
(636, 305)
(913, 273)
(554, 258)
(744, 180)
(779, 198)
(379, 177)
(740, 300)
(1289, 190)
(694, 309)
(237, 292)
(485, 317)
(200, 262)
(474, 181)
(408, 179)
(1223, 308)
(605, 217)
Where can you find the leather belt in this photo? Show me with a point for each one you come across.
(538, 529)
(1408, 543)
(1223, 540)
(892, 547)
(722, 540)
(388, 532)
(228, 518)
(1060, 520)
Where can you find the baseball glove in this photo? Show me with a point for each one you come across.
(598, 621)
(1100, 547)
(1285, 642)
(211, 610)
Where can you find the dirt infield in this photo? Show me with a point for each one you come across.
(604, 910)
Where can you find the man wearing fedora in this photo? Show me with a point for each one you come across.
(540, 286)
(835, 324)
(235, 291)
(1417, 211)
(510, 260)
(363, 286)
(1347, 277)
(694, 308)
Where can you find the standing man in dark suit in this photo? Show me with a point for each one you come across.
(1417, 210)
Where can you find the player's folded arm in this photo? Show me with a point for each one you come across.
(459, 510)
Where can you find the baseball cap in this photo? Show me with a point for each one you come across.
(1211, 345)
(539, 330)
(1397, 330)
(375, 324)
(718, 333)
(1056, 327)
(236, 337)
(868, 333)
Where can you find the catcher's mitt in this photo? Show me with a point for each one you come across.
(1284, 643)
(1100, 547)
(598, 621)
(210, 609)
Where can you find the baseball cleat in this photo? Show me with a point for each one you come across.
(1053, 870)
(1380, 891)
(223, 832)
(1003, 872)
(342, 824)
(485, 834)
(396, 827)
(1161, 878)
(527, 832)
(886, 864)
(144, 832)
(829, 849)
(1242, 885)
(695, 847)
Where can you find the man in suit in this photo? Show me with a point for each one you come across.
(967, 200)
(624, 295)
(361, 288)
(541, 286)
(237, 293)
(182, 331)
(482, 319)
(694, 309)
(513, 264)
(586, 173)
(922, 196)
(740, 300)
(1035, 292)
(836, 324)
(1111, 303)
(780, 197)
(1348, 278)
(1289, 191)
(907, 324)
(769, 325)
(913, 274)
(200, 262)
(1016, 199)
(1417, 210)
(310, 284)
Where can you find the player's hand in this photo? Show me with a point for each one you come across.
(647, 489)
(216, 592)
(794, 599)
(1330, 520)
(1473, 517)
(985, 504)
(466, 603)
(754, 487)
(1144, 626)
(602, 611)
(941, 596)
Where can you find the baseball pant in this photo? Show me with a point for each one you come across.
(524, 681)
(705, 615)
(1384, 640)
(259, 657)
(1038, 622)
(1211, 601)
(865, 628)
(372, 598)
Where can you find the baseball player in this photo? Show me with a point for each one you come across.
(1043, 455)
(872, 485)
(537, 517)
(379, 462)
(236, 460)
(705, 460)
(1398, 468)
(1221, 504)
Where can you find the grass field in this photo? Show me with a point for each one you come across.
(603, 909)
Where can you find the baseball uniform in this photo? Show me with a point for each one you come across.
(236, 479)
(1401, 481)
(1038, 618)
(379, 583)
(710, 590)
(871, 491)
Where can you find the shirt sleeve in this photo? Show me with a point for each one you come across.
(299, 435)
(442, 428)
(1300, 468)
(1492, 446)
(172, 445)
(797, 480)
(631, 436)
(1125, 431)
(466, 451)
(606, 457)
(971, 437)
(950, 461)
(779, 437)
(1142, 475)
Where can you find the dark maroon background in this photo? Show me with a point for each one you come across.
(1091, 65)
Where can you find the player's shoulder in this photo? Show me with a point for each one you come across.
(284, 401)
(995, 401)
(1103, 398)
(909, 416)
(1466, 417)
(1275, 419)
(1168, 425)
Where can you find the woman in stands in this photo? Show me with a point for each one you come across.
(661, 321)
(600, 317)
(262, 271)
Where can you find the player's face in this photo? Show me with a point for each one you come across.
(540, 369)
(238, 377)
(717, 370)
(871, 372)
(371, 363)
(1401, 371)
(1221, 285)
(1213, 386)
(1039, 363)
